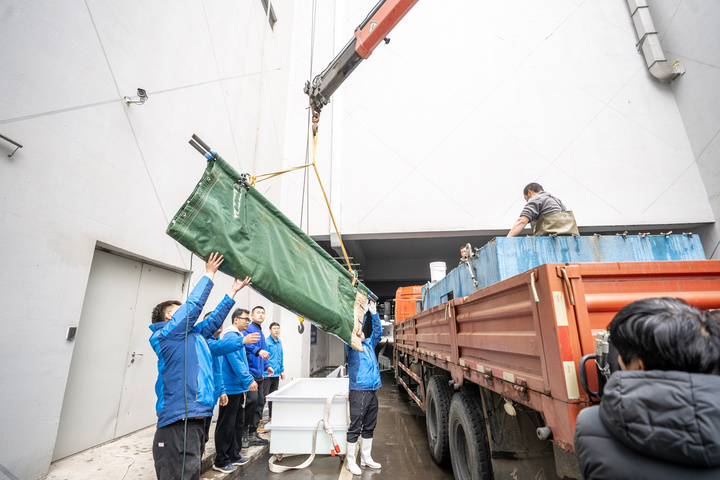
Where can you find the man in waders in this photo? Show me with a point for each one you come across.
(546, 213)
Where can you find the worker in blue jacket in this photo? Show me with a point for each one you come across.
(237, 381)
(364, 382)
(275, 350)
(257, 357)
(218, 349)
(185, 388)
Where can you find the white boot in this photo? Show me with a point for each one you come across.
(351, 460)
(365, 458)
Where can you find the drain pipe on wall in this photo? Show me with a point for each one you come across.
(649, 43)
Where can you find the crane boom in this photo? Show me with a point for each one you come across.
(368, 35)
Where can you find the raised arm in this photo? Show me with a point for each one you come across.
(227, 344)
(213, 263)
(188, 313)
(377, 326)
(518, 226)
(240, 368)
(210, 325)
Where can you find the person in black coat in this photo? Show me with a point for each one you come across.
(659, 417)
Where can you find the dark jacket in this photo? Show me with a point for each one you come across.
(256, 363)
(652, 425)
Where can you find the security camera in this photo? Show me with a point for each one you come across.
(142, 96)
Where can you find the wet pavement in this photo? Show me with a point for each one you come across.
(399, 445)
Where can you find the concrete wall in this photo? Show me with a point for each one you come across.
(439, 130)
(95, 170)
(329, 351)
(688, 31)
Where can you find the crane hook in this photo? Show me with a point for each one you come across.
(301, 327)
(315, 120)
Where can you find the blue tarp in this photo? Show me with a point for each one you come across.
(505, 257)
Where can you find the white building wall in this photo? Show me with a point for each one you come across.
(688, 31)
(93, 170)
(471, 100)
(437, 131)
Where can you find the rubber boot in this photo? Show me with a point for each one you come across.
(350, 460)
(365, 458)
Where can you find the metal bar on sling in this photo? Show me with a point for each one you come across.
(197, 147)
(202, 144)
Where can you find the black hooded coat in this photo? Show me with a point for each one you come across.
(652, 425)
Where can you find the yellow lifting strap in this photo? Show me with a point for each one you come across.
(259, 178)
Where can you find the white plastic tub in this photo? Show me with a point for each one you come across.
(297, 408)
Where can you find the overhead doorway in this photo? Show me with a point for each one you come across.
(110, 390)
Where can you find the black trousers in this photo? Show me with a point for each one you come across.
(363, 414)
(206, 434)
(168, 450)
(254, 406)
(229, 430)
(270, 385)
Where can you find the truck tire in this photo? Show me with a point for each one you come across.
(469, 448)
(437, 405)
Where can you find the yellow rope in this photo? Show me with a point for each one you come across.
(259, 178)
(342, 245)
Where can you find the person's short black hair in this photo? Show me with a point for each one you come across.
(667, 334)
(274, 324)
(238, 312)
(158, 313)
(258, 307)
(532, 187)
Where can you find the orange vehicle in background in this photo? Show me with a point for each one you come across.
(407, 302)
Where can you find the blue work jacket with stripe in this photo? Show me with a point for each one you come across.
(235, 371)
(363, 368)
(192, 377)
(274, 348)
(218, 349)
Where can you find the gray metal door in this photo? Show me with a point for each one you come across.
(110, 389)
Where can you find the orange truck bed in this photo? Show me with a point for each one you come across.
(524, 336)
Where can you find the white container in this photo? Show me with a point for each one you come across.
(437, 271)
(297, 408)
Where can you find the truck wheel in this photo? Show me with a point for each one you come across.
(470, 451)
(437, 405)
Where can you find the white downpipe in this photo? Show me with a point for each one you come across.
(649, 43)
